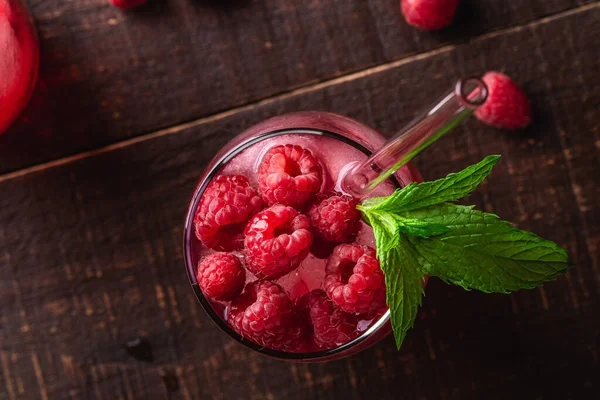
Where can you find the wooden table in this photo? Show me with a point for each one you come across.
(95, 179)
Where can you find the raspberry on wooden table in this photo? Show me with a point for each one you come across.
(332, 327)
(277, 239)
(124, 4)
(354, 280)
(335, 218)
(429, 14)
(506, 106)
(290, 175)
(264, 314)
(221, 276)
(226, 205)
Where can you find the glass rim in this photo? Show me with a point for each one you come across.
(191, 269)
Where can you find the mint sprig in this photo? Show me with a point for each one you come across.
(419, 232)
(418, 195)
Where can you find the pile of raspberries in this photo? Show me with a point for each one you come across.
(268, 232)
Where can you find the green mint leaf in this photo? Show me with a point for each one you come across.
(418, 195)
(404, 283)
(415, 227)
(395, 224)
(385, 232)
(482, 252)
(418, 231)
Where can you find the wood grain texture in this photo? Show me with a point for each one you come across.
(108, 75)
(90, 250)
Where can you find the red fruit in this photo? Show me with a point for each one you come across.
(221, 276)
(226, 205)
(335, 218)
(277, 240)
(429, 14)
(354, 281)
(19, 60)
(332, 327)
(289, 175)
(124, 4)
(506, 106)
(265, 315)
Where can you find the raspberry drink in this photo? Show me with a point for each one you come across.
(270, 212)
(275, 247)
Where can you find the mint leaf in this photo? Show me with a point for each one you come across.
(418, 232)
(385, 232)
(415, 227)
(482, 252)
(395, 224)
(418, 195)
(404, 283)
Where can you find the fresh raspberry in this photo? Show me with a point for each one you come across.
(227, 203)
(335, 218)
(332, 327)
(354, 281)
(124, 4)
(289, 175)
(221, 276)
(429, 14)
(506, 106)
(264, 314)
(277, 240)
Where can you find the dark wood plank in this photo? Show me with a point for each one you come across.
(90, 251)
(107, 75)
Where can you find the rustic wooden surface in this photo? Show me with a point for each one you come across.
(95, 180)
(107, 75)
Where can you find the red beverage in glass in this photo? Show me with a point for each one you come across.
(303, 305)
(338, 143)
(19, 59)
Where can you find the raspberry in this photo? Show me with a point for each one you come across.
(277, 240)
(124, 4)
(227, 203)
(354, 281)
(265, 315)
(331, 326)
(335, 218)
(506, 106)
(289, 175)
(429, 14)
(221, 276)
